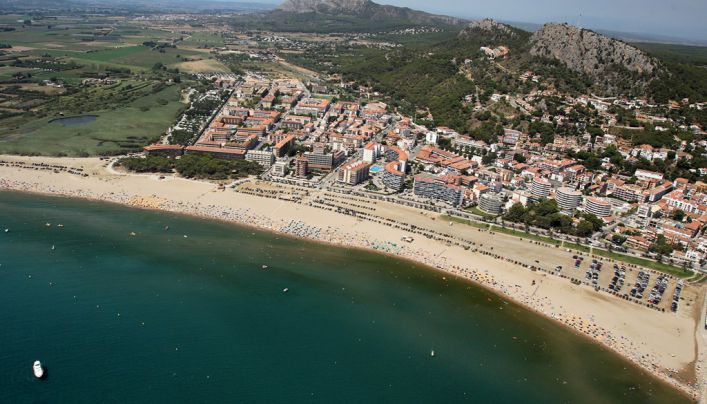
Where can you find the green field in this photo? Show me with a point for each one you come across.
(472, 223)
(524, 235)
(696, 55)
(122, 129)
(134, 112)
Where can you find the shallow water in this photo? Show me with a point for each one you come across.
(74, 120)
(158, 317)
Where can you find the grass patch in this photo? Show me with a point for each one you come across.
(522, 234)
(465, 221)
(478, 212)
(117, 130)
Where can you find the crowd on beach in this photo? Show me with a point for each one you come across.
(355, 239)
(44, 167)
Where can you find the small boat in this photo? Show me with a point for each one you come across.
(285, 290)
(48, 225)
(53, 247)
(60, 225)
(38, 370)
(432, 352)
(132, 233)
(264, 267)
(7, 230)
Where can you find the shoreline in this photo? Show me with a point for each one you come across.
(334, 236)
(659, 376)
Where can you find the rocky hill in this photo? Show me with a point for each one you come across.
(364, 9)
(488, 25)
(587, 52)
(488, 32)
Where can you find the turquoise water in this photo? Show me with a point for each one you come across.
(161, 318)
(75, 120)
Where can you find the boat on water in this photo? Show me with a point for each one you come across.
(38, 369)
(432, 352)
(285, 290)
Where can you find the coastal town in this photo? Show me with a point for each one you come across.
(301, 135)
(586, 207)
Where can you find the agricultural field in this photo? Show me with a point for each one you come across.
(136, 74)
(111, 120)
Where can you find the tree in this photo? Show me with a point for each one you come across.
(596, 223)
(516, 213)
(489, 158)
(584, 229)
(661, 246)
(618, 239)
(678, 215)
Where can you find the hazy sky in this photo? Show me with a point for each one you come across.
(680, 18)
(676, 18)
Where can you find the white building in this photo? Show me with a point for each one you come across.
(265, 158)
(540, 187)
(279, 169)
(568, 199)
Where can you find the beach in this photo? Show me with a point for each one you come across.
(669, 345)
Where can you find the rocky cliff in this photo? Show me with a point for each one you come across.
(586, 51)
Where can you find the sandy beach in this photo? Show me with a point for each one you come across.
(669, 345)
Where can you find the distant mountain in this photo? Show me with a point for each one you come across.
(365, 9)
(119, 6)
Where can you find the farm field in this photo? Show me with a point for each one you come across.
(116, 129)
(43, 78)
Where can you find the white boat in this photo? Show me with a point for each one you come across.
(38, 370)
(285, 290)
(432, 353)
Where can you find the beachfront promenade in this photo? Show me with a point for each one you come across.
(521, 269)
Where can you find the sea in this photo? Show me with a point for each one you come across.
(124, 305)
